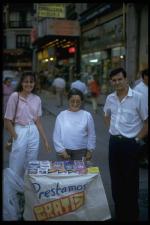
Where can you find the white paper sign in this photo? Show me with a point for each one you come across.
(65, 198)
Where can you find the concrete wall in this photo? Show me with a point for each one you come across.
(143, 49)
(136, 40)
(132, 40)
(11, 40)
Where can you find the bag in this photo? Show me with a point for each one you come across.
(9, 142)
(13, 189)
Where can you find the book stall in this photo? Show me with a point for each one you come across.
(64, 191)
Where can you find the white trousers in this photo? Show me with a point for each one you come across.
(60, 96)
(25, 148)
(94, 103)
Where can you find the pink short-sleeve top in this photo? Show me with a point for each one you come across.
(28, 109)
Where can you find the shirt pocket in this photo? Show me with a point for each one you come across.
(127, 116)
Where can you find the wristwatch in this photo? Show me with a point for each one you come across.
(139, 141)
(90, 150)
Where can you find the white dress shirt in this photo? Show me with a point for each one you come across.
(128, 115)
(74, 130)
(143, 89)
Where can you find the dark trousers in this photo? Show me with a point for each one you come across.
(74, 154)
(124, 172)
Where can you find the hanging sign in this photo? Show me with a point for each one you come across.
(51, 10)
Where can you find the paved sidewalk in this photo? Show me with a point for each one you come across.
(49, 103)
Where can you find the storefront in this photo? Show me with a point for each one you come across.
(58, 45)
(102, 46)
(17, 59)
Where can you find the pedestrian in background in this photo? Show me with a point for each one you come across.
(142, 87)
(7, 91)
(127, 117)
(94, 89)
(27, 126)
(80, 85)
(59, 84)
(74, 131)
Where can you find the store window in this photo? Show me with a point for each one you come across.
(118, 57)
(4, 41)
(23, 41)
(14, 19)
(29, 20)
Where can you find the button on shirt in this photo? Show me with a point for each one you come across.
(127, 115)
(28, 109)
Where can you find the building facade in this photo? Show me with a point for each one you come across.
(112, 36)
(17, 25)
(88, 37)
(102, 40)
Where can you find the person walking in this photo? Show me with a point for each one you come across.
(94, 88)
(74, 132)
(80, 85)
(142, 87)
(59, 84)
(126, 115)
(27, 125)
(7, 91)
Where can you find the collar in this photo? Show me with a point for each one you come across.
(130, 93)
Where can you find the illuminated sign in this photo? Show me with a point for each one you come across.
(51, 10)
(72, 50)
(62, 27)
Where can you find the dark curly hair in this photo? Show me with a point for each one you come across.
(116, 71)
(75, 91)
(24, 75)
(144, 73)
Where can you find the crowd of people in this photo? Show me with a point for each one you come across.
(74, 136)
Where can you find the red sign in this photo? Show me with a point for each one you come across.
(72, 50)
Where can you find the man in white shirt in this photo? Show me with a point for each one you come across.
(59, 84)
(127, 116)
(142, 87)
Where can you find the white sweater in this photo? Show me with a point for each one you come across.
(74, 130)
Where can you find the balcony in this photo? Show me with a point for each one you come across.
(20, 24)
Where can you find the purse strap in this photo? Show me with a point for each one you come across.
(16, 109)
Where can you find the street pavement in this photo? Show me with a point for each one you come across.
(50, 105)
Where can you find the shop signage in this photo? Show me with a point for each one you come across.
(13, 51)
(51, 10)
(106, 34)
(71, 50)
(96, 12)
(19, 64)
(63, 27)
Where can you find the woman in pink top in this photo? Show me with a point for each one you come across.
(27, 126)
(7, 91)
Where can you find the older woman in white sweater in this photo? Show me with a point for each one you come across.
(74, 132)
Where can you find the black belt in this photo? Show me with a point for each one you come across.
(120, 137)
